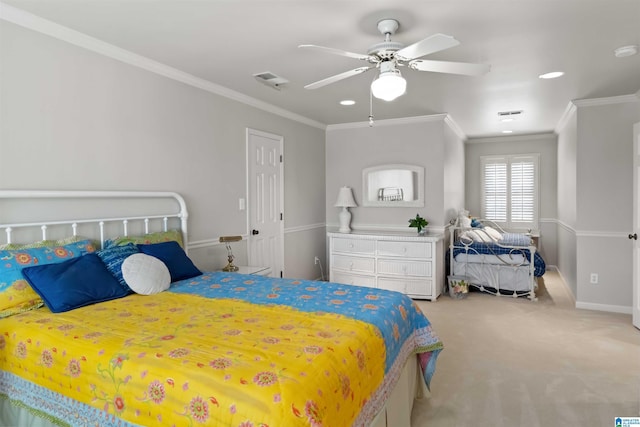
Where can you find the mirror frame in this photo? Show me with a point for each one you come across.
(419, 202)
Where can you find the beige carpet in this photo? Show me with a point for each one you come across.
(513, 362)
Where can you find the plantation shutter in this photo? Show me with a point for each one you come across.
(510, 190)
(523, 190)
(495, 190)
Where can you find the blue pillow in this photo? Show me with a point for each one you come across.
(114, 256)
(16, 295)
(179, 265)
(515, 239)
(74, 283)
(476, 224)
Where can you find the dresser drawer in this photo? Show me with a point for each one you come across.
(416, 288)
(353, 263)
(404, 249)
(356, 246)
(353, 279)
(399, 267)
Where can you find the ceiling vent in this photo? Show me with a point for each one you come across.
(512, 114)
(271, 80)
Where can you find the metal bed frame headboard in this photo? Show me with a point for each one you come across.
(100, 223)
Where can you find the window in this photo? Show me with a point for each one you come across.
(510, 190)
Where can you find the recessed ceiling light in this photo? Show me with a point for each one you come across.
(507, 131)
(623, 51)
(551, 75)
(347, 102)
(507, 119)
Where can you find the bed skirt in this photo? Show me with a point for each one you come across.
(503, 277)
(396, 413)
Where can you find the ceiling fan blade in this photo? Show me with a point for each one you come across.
(338, 52)
(431, 44)
(449, 67)
(336, 78)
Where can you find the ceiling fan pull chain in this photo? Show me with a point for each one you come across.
(370, 107)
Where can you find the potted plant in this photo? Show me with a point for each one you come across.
(418, 222)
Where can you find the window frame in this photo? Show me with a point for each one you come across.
(508, 160)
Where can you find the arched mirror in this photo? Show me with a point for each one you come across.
(393, 186)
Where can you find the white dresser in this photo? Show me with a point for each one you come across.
(403, 262)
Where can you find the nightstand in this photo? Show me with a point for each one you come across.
(248, 269)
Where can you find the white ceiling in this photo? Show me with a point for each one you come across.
(227, 41)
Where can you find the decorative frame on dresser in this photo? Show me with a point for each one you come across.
(403, 262)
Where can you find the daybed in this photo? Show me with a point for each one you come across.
(494, 261)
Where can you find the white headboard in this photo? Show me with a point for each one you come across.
(28, 215)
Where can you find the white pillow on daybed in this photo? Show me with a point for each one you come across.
(145, 275)
(486, 235)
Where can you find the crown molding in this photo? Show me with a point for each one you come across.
(455, 128)
(572, 107)
(605, 101)
(513, 138)
(52, 29)
(389, 122)
(569, 111)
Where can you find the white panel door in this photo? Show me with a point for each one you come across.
(636, 226)
(266, 229)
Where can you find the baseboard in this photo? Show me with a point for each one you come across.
(604, 307)
(590, 305)
(566, 287)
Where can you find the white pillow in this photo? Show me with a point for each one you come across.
(493, 233)
(145, 275)
(478, 236)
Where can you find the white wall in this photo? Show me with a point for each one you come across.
(417, 141)
(595, 194)
(604, 201)
(567, 193)
(454, 173)
(73, 119)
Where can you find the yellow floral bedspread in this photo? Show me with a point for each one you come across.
(184, 360)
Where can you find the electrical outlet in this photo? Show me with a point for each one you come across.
(594, 278)
(316, 260)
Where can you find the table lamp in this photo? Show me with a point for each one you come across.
(345, 201)
(227, 241)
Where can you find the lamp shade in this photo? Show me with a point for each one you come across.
(389, 85)
(345, 198)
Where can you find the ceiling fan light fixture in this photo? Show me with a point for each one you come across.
(389, 85)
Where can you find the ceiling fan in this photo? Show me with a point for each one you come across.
(389, 55)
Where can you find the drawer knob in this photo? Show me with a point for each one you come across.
(351, 265)
(351, 245)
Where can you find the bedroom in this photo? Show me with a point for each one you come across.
(99, 123)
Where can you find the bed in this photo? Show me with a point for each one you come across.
(494, 261)
(188, 347)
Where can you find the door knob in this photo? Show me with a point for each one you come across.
(633, 236)
(254, 232)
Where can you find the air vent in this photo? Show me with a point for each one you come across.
(509, 113)
(270, 79)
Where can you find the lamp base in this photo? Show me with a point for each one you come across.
(345, 220)
(230, 266)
